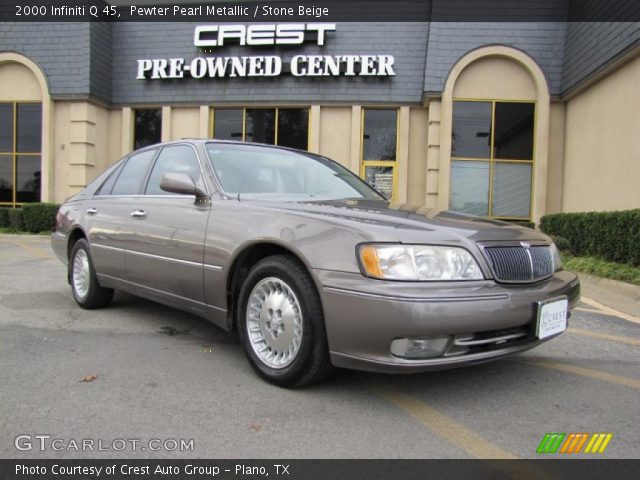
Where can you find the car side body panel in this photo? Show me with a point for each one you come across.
(165, 248)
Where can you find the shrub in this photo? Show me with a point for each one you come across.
(562, 243)
(522, 223)
(4, 217)
(39, 217)
(612, 236)
(15, 219)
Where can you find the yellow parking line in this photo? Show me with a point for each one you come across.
(587, 372)
(459, 435)
(454, 432)
(35, 251)
(604, 336)
(610, 311)
(590, 310)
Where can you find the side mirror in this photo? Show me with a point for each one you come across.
(181, 183)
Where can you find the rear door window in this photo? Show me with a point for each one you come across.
(130, 180)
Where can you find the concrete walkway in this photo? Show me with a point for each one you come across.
(619, 296)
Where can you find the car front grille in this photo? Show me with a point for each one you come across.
(520, 263)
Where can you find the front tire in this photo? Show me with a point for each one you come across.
(281, 323)
(84, 283)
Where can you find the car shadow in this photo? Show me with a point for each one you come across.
(191, 328)
(167, 320)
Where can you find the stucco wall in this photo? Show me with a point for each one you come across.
(85, 141)
(185, 122)
(417, 175)
(335, 133)
(61, 153)
(555, 170)
(602, 144)
(18, 83)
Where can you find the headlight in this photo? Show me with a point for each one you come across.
(557, 259)
(418, 262)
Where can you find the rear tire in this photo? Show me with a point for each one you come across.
(86, 290)
(281, 324)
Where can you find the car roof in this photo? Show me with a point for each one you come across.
(202, 141)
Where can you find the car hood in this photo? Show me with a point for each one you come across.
(406, 218)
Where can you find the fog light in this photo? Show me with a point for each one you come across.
(419, 347)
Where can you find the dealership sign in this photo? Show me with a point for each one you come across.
(209, 38)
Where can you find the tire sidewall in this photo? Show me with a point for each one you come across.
(82, 245)
(290, 374)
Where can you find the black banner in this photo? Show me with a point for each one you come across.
(322, 10)
(578, 469)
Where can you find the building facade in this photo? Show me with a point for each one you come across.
(511, 120)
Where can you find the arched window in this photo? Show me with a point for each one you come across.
(22, 110)
(495, 136)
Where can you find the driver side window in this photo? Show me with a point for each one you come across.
(174, 159)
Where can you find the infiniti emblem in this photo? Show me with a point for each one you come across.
(526, 245)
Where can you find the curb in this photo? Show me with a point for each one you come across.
(23, 236)
(621, 296)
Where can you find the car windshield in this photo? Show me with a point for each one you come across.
(251, 170)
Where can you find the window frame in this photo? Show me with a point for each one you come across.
(15, 154)
(212, 121)
(133, 130)
(493, 161)
(381, 163)
(147, 177)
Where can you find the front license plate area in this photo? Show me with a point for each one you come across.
(552, 317)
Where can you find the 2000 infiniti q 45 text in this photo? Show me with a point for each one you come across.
(313, 267)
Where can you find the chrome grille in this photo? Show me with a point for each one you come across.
(542, 261)
(520, 263)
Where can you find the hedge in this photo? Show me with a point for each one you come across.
(15, 219)
(612, 236)
(39, 217)
(31, 217)
(4, 217)
(522, 223)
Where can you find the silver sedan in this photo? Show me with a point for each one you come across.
(312, 267)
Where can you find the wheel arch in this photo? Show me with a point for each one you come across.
(74, 235)
(245, 257)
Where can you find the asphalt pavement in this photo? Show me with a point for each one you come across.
(138, 371)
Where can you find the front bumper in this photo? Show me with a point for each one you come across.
(363, 316)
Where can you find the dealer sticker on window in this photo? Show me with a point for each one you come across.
(552, 317)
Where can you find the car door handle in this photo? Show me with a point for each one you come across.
(138, 214)
(91, 211)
